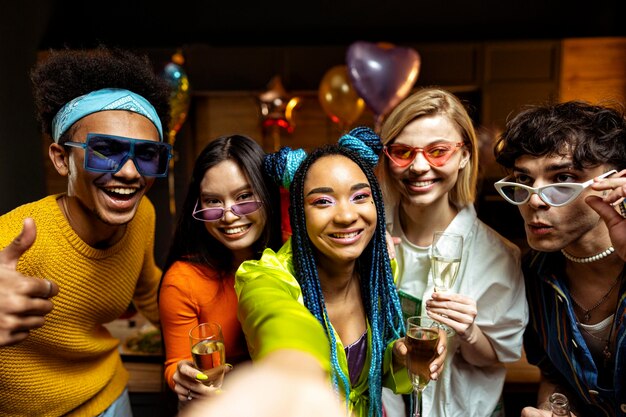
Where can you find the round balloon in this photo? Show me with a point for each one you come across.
(338, 98)
(382, 74)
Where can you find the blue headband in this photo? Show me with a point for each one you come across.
(101, 100)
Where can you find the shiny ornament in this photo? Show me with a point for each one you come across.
(338, 97)
(277, 111)
(382, 74)
(180, 98)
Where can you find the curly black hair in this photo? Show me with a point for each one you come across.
(67, 74)
(593, 134)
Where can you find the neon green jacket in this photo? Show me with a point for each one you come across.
(273, 316)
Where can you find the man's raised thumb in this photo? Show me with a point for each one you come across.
(11, 254)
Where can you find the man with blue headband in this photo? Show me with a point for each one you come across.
(84, 255)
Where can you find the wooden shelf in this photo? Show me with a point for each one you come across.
(521, 372)
(144, 377)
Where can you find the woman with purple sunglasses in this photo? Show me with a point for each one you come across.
(230, 214)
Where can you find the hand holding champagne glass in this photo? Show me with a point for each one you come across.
(422, 339)
(445, 256)
(207, 351)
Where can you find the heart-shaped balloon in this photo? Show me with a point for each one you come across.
(382, 74)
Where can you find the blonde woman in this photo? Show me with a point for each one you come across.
(428, 177)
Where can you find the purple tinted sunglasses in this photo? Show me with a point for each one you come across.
(213, 214)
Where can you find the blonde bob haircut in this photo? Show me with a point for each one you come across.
(423, 103)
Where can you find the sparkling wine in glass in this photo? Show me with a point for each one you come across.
(445, 258)
(422, 337)
(208, 353)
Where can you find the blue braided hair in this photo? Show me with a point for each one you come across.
(281, 166)
(365, 142)
(380, 299)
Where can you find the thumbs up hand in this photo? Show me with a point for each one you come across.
(24, 301)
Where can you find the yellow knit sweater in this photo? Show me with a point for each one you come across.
(72, 365)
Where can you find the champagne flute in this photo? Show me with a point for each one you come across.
(445, 258)
(422, 337)
(208, 353)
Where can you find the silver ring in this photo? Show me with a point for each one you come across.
(49, 288)
(189, 397)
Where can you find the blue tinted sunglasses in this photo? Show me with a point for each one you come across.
(108, 153)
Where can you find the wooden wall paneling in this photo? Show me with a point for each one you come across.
(213, 68)
(516, 74)
(252, 68)
(456, 65)
(593, 69)
(200, 119)
(305, 66)
(225, 113)
(221, 113)
(311, 128)
(503, 100)
(521, 61)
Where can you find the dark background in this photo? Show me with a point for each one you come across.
(149, 24)
(29, 26)
(238, 32)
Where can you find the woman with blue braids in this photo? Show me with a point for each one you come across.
(326, 303)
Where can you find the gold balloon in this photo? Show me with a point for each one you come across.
(338, 98)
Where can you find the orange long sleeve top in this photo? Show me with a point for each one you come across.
(192, 294)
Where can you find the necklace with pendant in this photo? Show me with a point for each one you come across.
(587, 311)
(606, 352)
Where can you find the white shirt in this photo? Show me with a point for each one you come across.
(491, 274)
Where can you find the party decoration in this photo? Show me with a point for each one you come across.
(176, 78)
(179, 99)
(338, 97)
(382, 74)
(277, 110)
